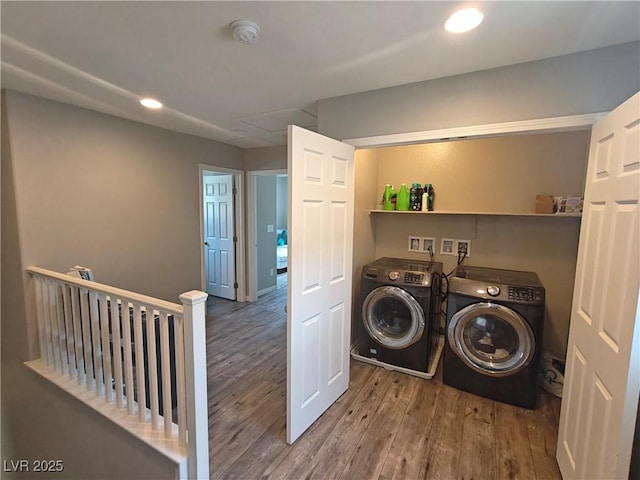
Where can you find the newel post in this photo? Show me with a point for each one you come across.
(194, 309)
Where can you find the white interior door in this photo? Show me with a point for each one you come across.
(321, 197)
(602, 384)
(219, 235)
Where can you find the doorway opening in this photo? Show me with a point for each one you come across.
(267, 232)
(222, 232)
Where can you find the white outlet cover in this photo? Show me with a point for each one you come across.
(468, 242)
(448, 247)
(426, 242)
(269, 228)
(414, 244)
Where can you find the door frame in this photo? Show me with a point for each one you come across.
(522, 127)
(252, 225)
(239, 218)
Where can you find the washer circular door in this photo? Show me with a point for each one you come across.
(393, 317)
(491, 339)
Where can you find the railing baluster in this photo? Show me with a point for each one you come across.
(165, 355)
(95, 341)
(117, 349)
(152, 359)
(53, 324)
(62, 329)
(77, 334)
(86, 338)
(48, 334)
(129, 386)
(106, 348)
(68, 322)
(41, 317)
(140, 374)
(178, 331)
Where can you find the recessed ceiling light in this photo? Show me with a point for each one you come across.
(463, 20)
(151, 103)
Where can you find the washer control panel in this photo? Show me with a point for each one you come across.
(412, 278)
(417, 275)
(524, 294)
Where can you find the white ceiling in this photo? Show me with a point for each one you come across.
(106, 55)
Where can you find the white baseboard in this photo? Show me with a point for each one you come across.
(267, 290)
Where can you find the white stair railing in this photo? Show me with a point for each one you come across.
(145, 355)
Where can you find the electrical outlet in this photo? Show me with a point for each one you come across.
(271, 272)
(447, 246)
(463, 247)
(428, 245)
(414, 244)
(269, 228)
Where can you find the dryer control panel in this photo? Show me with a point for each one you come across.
(525, 294)
(412, 278)
(498, 285)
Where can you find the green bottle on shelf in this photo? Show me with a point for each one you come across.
(387, 204)
(402, 202)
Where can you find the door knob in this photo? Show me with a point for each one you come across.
(206, 243)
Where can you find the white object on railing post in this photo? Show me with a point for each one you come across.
(194, 310)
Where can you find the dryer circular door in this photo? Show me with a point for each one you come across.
(393, 317)
(491, 339)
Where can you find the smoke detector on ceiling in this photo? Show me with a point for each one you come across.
(245, 31)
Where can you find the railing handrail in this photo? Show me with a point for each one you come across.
(132, 297)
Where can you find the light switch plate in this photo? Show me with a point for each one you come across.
(269, 228)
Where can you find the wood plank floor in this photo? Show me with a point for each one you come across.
(387, 425)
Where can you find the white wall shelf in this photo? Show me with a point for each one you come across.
(501, 214)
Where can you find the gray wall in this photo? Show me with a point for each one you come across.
(80, 187)
(111, 194)
(586, 82)
(266, 215)
(266, 158)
